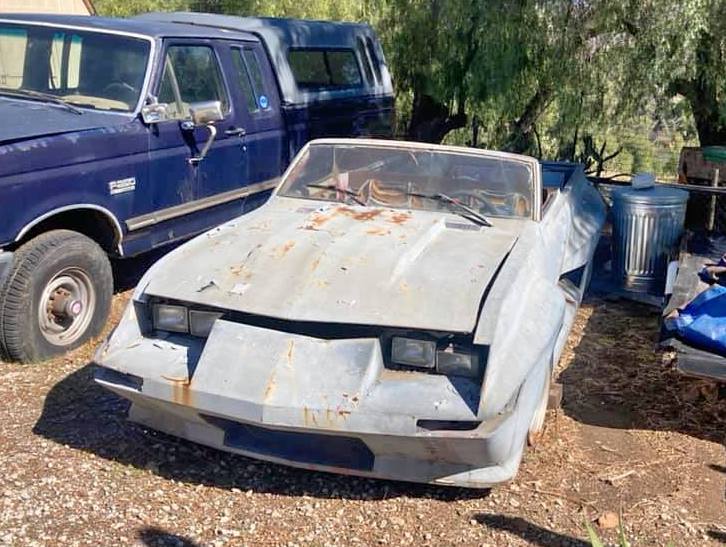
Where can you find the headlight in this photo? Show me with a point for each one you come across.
(171, 318)
(201, 322)
(450, 360)
(174, 318)
(458, 362)
(414, 353)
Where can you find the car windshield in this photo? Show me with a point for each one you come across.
(413, 177)
(84, 69)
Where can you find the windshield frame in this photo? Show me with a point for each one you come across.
(153, 47)
(529, 161)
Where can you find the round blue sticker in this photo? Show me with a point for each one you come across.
(263, 101)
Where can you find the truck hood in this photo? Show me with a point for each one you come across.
(24, 120)
(303, 260)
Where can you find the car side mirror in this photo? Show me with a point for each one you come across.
(154, 111)
(204, 114)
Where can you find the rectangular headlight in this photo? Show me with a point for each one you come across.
(201, 322)
(170, 318)
(458, 363)
(413, 352)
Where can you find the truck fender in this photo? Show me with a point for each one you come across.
(110, 217)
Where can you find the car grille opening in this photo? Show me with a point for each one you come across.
(295, 446)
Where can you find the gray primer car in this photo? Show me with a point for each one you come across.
(395, 311)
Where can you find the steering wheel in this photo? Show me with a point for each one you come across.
(120, 90)
(473, 199)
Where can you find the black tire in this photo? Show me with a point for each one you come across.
(26, 334)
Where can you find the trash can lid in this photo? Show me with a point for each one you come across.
(715, 154)
(659, 194)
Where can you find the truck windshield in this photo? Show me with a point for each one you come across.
(413, 177)
(82, 68)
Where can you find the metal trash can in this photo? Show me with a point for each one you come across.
(647, 227)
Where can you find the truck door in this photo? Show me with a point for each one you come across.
(255, 91)
(190, 72)
(226, 165)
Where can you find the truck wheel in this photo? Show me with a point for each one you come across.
(57, 296)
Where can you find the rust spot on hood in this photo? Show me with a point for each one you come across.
(317, 219)
(315, 263)
(367, 214)
(378, 231)
(399, 218)
(283, 249)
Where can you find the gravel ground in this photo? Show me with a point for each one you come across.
(632, 438)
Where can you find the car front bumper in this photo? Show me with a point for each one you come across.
(283, 398)
(6, 264)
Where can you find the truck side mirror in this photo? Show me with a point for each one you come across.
(154, 111)
(204, 114)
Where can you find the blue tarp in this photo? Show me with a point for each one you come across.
(703, 321)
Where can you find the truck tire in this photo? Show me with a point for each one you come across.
(56, 296)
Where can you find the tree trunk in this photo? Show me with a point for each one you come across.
(521, 137)
(431, 121)
(702, 94)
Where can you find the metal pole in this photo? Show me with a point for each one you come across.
(714, 201)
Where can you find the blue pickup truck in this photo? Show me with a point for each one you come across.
(124, 135)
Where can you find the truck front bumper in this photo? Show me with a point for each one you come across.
(6, 264)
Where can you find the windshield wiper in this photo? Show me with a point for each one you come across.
(455, 206)
(349, 193)
(41, 96)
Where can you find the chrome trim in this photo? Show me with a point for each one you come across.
(156, 217)
(149, 63)
(116, 224)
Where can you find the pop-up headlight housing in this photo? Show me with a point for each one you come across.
(440, 356)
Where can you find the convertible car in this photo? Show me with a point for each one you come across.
(395, 310)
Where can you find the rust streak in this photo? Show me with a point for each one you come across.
(315, 263)
(271, 385)
(290, 347)
(282, 250)
(378, 231)
(180, 391)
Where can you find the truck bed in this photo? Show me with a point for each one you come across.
(690, 360)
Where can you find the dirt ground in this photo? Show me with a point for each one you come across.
(631, 438)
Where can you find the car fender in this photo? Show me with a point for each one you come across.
(520, 322)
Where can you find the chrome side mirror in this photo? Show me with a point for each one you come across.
(204, 114)
(154, 111)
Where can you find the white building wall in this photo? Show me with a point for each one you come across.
(67, 7)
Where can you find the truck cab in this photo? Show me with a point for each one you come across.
(124, 135)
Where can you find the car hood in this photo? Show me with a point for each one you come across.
(31, 119)
(309, 261)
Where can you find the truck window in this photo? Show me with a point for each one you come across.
(366, 61)
(374, 58)
(250, 79)
(193, 71)
(87, 69)
(324, 68)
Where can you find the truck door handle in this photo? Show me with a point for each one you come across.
(232, 131)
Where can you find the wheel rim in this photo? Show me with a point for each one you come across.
(66, 306)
